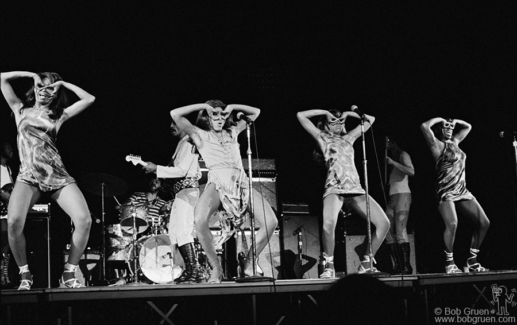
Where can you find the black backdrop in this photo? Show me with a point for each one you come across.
(403, 64)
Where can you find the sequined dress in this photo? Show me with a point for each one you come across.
(342, 176)
(41, 164)
(452, 185)
(225, 170)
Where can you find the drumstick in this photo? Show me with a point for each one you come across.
(116, 200)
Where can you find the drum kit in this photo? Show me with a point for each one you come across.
(140, 242)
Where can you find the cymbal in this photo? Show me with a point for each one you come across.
(94, 182)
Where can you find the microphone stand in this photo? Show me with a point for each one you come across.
(103, 231)
(368, 218)
(515, 153)
(254, 277)
(515, 157)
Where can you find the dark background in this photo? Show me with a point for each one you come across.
(404, 64)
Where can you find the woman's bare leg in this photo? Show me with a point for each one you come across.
(72, 201)
(267, 222)
(377, 217)
(332, 204)
(473, 211)
(266, 219)
(450, 218)
(208, 203)
(23, 197)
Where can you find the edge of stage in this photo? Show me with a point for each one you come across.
(146, 294)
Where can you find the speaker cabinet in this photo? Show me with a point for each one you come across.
(267, 188)
(356, 248)
(306, 228)
(89, 269)
(37, 233)
(269, 258)
(263, 179)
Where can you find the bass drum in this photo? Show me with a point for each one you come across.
(158, 263)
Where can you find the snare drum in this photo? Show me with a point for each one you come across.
(157, 261)
(127, 213)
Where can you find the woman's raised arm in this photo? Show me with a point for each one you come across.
(85, 99)
(305, 116)
(251, 112)
(464, 131)
(179, 116)
(369, 120)
(7, 90)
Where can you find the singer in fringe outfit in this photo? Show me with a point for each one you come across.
(39, 119)
(343, 186)
(451, 188)
(215, 137)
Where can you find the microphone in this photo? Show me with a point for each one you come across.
(356, 110)
(505, 134)
(241, 116)
(95, 219)
(297, 230)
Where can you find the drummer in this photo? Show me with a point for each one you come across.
(148, 201)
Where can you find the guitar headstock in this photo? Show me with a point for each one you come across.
(135, 160)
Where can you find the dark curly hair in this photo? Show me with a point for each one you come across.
(322, 122)
(203, 119)
(58, 104)
(317, 155)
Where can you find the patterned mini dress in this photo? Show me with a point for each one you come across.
(226, 172)
(342, 176)
(41, 164)
(451, 185)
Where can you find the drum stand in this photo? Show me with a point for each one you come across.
(134, 243)
(254, 277)
(103, 249)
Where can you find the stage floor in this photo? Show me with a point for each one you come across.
(64, 305)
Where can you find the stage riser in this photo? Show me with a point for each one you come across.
(285, 302)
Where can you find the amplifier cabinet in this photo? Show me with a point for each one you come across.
(37, 233)
(262, 165)
(307, 266)
(263, 179)
(267, 188)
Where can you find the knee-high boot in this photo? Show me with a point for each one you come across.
(406, 253)
(394, 258)
(191, 274)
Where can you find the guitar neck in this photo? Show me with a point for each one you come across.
(136, 160)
